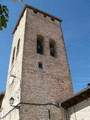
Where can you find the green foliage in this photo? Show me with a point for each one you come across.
(3, 16)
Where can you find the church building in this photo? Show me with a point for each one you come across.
(39, 85)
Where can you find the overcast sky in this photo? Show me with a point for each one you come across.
(76, 27)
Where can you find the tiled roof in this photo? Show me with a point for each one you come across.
(77, 98)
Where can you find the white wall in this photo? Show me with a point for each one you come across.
(13, 84)
(80, 111)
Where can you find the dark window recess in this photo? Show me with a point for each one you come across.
(18, 47)
(35, 11)
(49, 115)
(40, 65)
(45, 15)
(13, 56)
(40, 44)
(52, 46)
(52, 19)
(11, 101)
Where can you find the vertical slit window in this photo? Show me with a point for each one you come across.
(52, 46)
(40, 65)
(49, 114)
(13, 56)
(18, 45)
(40, 48)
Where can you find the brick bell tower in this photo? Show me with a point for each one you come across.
(38, 76)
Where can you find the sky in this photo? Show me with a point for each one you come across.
(76, 28)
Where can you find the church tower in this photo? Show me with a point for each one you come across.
(38, 75)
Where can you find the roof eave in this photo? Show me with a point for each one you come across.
(79, 97)
(28, 6)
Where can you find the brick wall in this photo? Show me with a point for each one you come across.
(52, 83)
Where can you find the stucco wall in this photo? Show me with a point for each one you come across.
(13, 88)
(80, 111)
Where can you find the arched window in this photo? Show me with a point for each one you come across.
(40, 48)
(18, 47)
(13, 56)
(52, 46)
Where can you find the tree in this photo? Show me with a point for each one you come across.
(3, 16)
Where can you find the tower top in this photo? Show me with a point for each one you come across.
(35, 10)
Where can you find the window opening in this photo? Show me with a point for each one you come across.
(35, 11)
(52, 19)
(13, 56)
(40, 45)
(40, 65)
(52, 46)
(18, 45)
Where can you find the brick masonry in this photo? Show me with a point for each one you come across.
(53, 82)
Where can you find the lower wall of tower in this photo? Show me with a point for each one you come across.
(34, 112)
(11, 115)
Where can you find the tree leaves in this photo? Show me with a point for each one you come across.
(3, 16)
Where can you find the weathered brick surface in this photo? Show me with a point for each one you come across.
(41, 113)
(53, 82)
